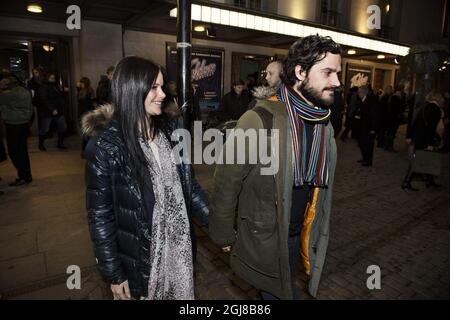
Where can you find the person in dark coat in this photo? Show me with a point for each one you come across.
(424, 128)
(104, 87)
(383, 116)
(337, 111)
(366, 102)
(197, 94)
(171, 106)
(396, 106)
(35, 83)
(424, 134)
(16, 110)
(355, 116)
(348, 112)
(235, 102)
(410, 103)
(52, 100)
(86, 97)
(139, 200)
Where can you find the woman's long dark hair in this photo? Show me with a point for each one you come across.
(86, 89)
(132, 80)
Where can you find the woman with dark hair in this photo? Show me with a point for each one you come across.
(86, 98)
(138, 200)
(34, 84)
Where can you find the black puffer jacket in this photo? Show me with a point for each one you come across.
(119, 208)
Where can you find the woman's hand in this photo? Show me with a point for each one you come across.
(121, 291)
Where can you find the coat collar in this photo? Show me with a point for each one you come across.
(97, 121)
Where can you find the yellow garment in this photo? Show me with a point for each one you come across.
(310, 214)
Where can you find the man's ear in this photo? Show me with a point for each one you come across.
(300, 74)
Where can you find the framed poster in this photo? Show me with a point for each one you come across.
(357, 75)
(207, 73)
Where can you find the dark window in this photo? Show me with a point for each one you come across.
(249, 4)
(329, 13)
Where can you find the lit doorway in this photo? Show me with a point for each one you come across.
(20, 54)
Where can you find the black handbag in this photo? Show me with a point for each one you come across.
(427, 162)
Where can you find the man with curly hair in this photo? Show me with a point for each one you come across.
(283, 218)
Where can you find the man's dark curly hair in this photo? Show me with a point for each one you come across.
(306, 52)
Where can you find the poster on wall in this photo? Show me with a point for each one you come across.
(357, 75)
(207, 74)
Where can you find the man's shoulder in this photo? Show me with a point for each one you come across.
(257, 117)
(17, 92)
(24, 92)
(272, 105)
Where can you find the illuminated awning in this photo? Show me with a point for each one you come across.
(254, 22)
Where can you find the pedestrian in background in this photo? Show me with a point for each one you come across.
(16, 110)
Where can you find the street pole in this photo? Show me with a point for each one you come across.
(184, 49)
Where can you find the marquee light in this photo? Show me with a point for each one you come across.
(35, 8)
(249, 21)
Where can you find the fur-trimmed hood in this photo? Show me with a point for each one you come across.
(95, 122)
(264, 92)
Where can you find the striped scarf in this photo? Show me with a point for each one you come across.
(315, 171)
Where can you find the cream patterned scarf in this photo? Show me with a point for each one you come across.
(171, 271)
